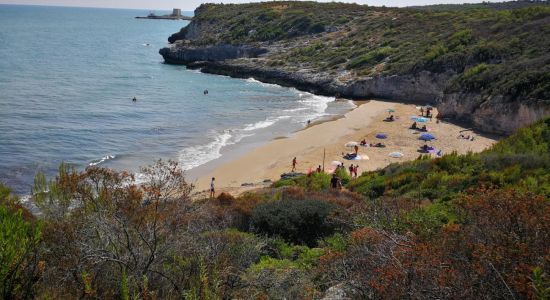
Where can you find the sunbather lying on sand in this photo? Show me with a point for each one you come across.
(350, 156)
(378, 145)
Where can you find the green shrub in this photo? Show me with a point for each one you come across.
(371, 185)
(19, 240)
(343, 175)
(6, 197)
(370, 58)
(284, 182)
(475, 70)
(436, 51)
(296, 221)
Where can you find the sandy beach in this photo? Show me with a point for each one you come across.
(269, 161)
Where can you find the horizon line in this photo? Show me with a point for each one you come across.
(97, 7)
(192, 11)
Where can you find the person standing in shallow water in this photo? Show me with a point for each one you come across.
(294, 163)
(212, 189)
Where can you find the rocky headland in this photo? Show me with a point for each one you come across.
(483, 64)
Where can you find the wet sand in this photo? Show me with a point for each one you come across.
(269, 161)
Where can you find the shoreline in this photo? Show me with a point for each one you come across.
(265, 163)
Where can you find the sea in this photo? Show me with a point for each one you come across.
(67, 80)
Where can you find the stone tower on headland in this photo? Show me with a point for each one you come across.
(176, 12)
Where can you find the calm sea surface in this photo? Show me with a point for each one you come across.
(67, 77)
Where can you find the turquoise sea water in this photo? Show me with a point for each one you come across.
(67, 77)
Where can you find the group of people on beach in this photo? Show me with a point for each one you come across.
(415, 127)
(428, 111)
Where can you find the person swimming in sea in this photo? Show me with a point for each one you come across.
(205, 92)
(134, 99)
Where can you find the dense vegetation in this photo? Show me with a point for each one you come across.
(472, 226)
(492, 49)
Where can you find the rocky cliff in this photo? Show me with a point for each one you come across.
(464, 75)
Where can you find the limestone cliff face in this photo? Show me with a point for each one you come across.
(498, 114)
(177, 54)
(422, 88)
(495, 115)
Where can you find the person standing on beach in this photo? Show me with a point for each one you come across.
(355, 169)
(319, 170)
(212, 189)
(356, 148)
(351, 168)
(294, 163)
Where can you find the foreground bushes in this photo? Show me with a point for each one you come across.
(502, 238)
(472, 226)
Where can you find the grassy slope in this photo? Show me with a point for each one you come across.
(495, 49)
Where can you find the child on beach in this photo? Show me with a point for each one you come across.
(212, 189)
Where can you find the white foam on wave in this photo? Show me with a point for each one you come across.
(296, 109)
(101, 160)
(254, 81)
(265, 123)
(195, 156)
(316, 105)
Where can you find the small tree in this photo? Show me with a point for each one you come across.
(297, 221)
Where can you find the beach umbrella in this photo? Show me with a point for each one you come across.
(421, 119)
(351, 144)
(336, 163)
(390, 110)
(396, 154)
(427, 137)
(381, 135)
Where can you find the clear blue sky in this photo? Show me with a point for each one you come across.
(189, 5)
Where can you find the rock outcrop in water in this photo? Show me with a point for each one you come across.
(189, 54)
(474, 82)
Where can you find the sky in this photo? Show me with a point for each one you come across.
(189, 5)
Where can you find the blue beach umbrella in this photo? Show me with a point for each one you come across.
(427, 137)
(421, 119)
(381, 136)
